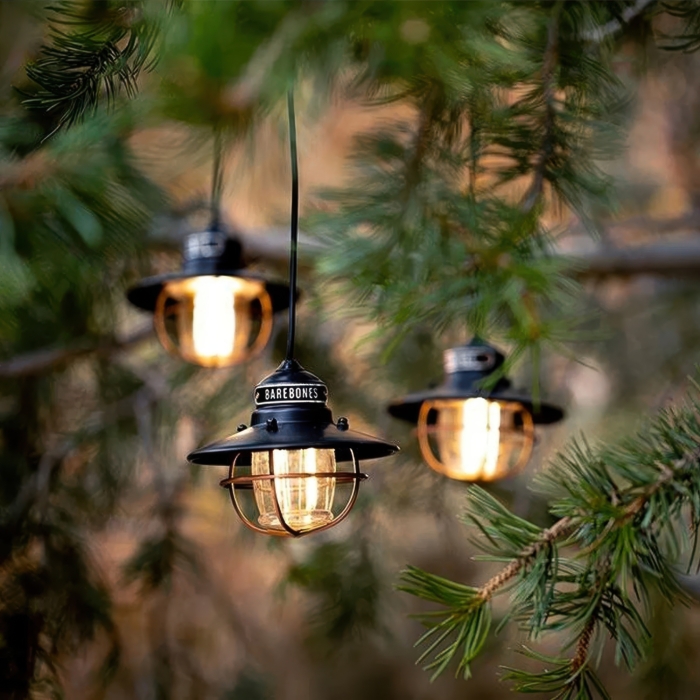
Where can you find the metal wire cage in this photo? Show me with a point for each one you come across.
(475, 439)
(292, 504)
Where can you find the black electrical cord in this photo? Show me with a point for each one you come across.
(294, 227)
(217, 179)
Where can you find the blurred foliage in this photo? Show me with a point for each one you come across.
(429, 234)
(500, 115)
(346, 590)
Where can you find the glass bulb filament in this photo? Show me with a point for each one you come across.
(213, 316)
(475, 439)
(213, 320)
(305, 502)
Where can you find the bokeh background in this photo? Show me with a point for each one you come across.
(124, 572)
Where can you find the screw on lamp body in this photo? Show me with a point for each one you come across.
(289, 457)
(470, 433)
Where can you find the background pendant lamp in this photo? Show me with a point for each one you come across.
(293, 454)
(472, 434)
(213, 312)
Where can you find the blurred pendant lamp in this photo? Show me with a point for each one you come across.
(213, 312)
(472, 434)
(289, 455)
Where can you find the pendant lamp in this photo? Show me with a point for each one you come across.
(214, 312)
(470, 433)
(293, 456)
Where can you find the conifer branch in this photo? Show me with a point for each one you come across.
(548, 123)
(584, 642)
(621, 511)
(560, 529)
(92, 53)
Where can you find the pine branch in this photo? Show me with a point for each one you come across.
(560, 529)
(548, 123)
(463, 252)
(620, 510)
(93, 53)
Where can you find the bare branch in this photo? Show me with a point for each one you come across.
(45, 360)
(663, 259)
(268, 246)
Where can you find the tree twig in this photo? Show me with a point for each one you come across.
(661, 259)
(551, 53)
(47, 359)
(548, 536)
(564, 526)
(583, 644)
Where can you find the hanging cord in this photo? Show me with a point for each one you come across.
(217, 179)
(294, 227)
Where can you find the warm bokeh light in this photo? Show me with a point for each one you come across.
(214, 321)
(305, 502)
(475, 439)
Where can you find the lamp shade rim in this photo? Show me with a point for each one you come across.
(408, 408)
(144, 295)
(292, 436)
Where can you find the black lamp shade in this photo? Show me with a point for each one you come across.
(465, 367)
(210, 253)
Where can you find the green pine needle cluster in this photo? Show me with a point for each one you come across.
(627, 522)
(95, 51)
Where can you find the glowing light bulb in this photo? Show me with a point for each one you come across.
(475, 439)
(479, 438)
(213, 316)
(209, 319)
(305, 502)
